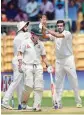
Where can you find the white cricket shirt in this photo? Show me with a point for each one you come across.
(20, 37)
(40, 51)
(31, 53)
(63, 45)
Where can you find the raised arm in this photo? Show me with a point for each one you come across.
(53, 33)
(43, 24)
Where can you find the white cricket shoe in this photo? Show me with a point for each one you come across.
(60, 106)
(29, 108)
(37, 108)
(26, 107)
(6, 106)
(79, 105)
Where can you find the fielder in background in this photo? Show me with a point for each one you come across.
(65, 64)
(17, 83)
(32, 51)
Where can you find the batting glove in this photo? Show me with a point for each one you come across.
(49, 69)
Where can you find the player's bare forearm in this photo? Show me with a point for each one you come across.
(44, 59)
(44, 33)
(53, 33)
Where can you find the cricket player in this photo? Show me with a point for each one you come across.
(33, 80)
(65, 64)
(22, 34)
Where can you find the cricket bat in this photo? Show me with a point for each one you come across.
(53, 91)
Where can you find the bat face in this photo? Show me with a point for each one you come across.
(52, 88)
(53, 91)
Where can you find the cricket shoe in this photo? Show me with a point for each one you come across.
(55, 106)
(60, 106)
(26, 107)
(19, 107)
(79, 105)
(6, 106)
(29, 108)
(38, 108)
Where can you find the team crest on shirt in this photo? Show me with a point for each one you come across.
(27, 46)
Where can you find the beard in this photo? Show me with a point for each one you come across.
(60, 31)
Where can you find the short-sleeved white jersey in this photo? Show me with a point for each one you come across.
(31, 53)
(63, 45)
(18, 40)
(40, 50)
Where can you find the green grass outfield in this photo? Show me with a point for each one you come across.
(47, 102)
(69, 107)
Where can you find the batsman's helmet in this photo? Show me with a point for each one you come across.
(21, 24)
(36, 31)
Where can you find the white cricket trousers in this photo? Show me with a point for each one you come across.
(17, 83)
(34, 78)
(65, 67)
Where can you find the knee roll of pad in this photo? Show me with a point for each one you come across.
(28, 89)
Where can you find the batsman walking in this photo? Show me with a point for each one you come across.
(31, 52)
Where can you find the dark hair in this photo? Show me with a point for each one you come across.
(60, 21)
(43, 16)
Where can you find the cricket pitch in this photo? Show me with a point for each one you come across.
(46, 110)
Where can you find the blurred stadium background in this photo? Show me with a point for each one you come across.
(13, 11)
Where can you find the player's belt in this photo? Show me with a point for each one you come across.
(34, 65)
